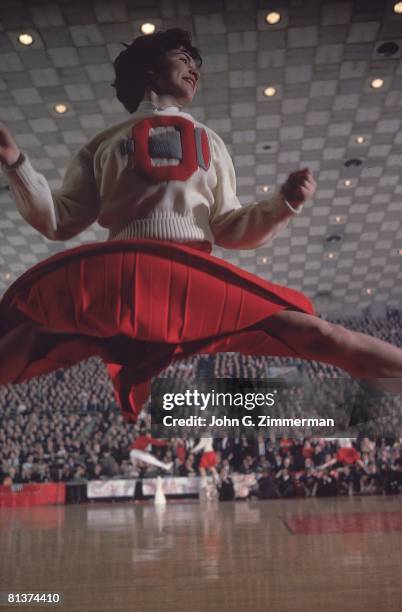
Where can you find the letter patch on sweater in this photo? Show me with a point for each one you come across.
(168, 148)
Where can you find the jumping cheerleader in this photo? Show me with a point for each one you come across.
(164, 186)
(140, 451)
(346, 454)
(208, 459)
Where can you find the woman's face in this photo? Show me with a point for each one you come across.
(177, 76)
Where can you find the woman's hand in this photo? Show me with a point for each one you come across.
(300, 186)
(9, 151)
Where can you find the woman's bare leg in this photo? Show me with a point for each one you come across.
(360, 355)
(328, 464)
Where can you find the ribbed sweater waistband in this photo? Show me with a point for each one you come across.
(163, 226)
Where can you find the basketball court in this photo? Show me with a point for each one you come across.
(342, 554)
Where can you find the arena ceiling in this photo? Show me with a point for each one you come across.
(321, 57)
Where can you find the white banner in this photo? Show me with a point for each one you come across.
(98, 489)
(172, 486)
(110, 488)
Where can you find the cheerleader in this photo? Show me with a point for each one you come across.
(346, 454)
(208, 463)
(140, 452)
(208, 459)
(163, 185)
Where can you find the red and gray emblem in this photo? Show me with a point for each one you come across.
(185, 143)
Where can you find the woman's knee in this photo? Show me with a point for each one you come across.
(313, 336)
(324, 337)
(318, 337)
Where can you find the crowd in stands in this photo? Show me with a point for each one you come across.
(67, 427)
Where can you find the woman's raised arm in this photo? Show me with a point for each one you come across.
(58, 215)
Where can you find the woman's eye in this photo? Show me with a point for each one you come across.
(185, 60)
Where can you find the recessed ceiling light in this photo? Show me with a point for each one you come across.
(330, 255)
(353, 163)
(334, 239)
(269, 91)
(148, 28)
(273, 17)
(348, 183)
(360, 139)
(263, 260)
(7, 276)
(265, 188)
(388, 49)
(400, 251)
(369, 291)
(338, 219)
(60, 108)
(398, 8)
(377, 83)
(25, 39)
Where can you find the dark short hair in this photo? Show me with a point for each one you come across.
(132, 65)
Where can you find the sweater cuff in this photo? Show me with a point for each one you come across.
(22, 172)
(279, 203)
(15, 165)
(295, 211)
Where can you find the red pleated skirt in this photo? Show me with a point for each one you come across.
(208, 460)
(139, 305)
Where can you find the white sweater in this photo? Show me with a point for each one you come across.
(138, 195)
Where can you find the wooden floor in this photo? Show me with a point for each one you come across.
(208, 557)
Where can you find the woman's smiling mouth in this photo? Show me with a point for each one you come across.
(191, 81)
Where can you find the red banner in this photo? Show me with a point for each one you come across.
(33, 494)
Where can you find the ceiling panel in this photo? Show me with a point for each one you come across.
(321, 57)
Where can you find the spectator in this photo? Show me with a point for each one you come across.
(225, 486)
(266, 486)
